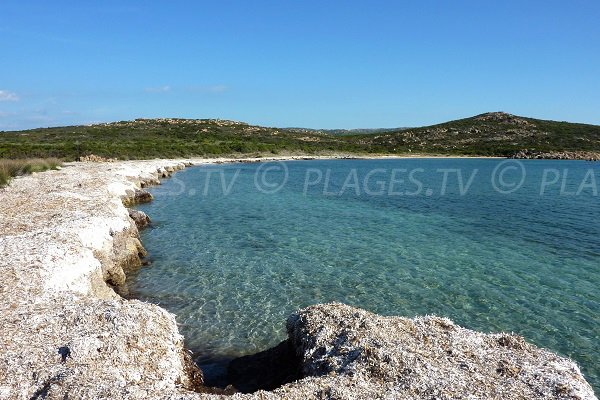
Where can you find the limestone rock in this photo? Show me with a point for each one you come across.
(142, 196)
(95, 158)
(356, 354)
(93, 348)
(556, 155)
(66, 242)
(139, 217)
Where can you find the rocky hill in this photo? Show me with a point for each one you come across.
(496, 133)
(490, 134)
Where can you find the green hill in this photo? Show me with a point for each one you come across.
(492, 134)
(497, 133)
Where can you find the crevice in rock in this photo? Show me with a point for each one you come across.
(44, 390)
(266, 370)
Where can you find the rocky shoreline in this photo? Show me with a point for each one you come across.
(556, 155)
(66, 245)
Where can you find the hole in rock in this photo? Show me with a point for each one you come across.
(266, 370)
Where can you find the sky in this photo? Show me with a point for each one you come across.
(300, 63)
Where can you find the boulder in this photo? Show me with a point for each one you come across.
(142, 196)
(139, 217)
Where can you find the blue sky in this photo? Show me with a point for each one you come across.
(319, 64)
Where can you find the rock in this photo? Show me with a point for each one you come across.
(139, 217)
(556, 155)
(149, 180)
(95, 158)
(503, 117)
(138, 196)
(142, 196)
(94, 349)
(163, 172)
(64, 332)
(352, 353)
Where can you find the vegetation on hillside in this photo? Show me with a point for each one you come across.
(166, 138)
(12, 168)
(493, 134)
(496, 134)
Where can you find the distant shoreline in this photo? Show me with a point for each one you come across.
(495, 134)
(223, 160)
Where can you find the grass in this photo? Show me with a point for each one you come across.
(12, 168)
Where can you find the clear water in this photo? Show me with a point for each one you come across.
(232, 266)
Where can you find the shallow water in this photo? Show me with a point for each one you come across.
(232, 262)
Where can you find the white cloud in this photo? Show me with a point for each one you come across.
(160, 89)
(217, 89)
(208, 89)
(5, 95)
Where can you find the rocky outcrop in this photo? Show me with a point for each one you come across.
(139, 217)
(95, 158)
(89, 348)
(350, 353)
(138, 196)
(556, 155)
(66, 245)
(502, 117)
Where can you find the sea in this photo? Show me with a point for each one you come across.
(496, 245)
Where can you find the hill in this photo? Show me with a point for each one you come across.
(490, 134)
(493, 134)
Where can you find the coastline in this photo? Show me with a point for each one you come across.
(67, 243)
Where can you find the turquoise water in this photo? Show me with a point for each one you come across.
(232, 262)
